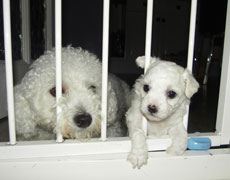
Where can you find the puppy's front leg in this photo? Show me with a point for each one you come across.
(178, 134)
(139, 152)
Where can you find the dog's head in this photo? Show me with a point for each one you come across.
(164, 88)
(81, 93)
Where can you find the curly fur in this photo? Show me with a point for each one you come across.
(81, 79)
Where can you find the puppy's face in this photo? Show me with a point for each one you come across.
(163, 89)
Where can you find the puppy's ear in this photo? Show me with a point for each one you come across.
(191, 85)
(141, 61)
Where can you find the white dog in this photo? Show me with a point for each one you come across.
(161, 96)
(80, 117)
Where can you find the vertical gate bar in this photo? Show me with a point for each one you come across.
(223, 113)
(9, 71)
(58, 52)
(191, 44)
(148, 45)
(26, 44)
(192, 30)
(148, 38)
(48, 25)
(105, 50)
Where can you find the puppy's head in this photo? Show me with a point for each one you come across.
(164, 88)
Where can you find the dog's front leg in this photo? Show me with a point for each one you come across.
(138, 155)
(139, 152)
(178, 134)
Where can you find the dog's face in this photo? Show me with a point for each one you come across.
(163, 89)
(81, 95)
(81, 109)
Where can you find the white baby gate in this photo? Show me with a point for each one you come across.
(105, 158)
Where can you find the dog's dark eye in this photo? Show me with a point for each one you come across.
(53, 91)
(146, 88)
(171, 94)
(93, 88)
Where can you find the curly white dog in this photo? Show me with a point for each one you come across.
(80, 117)
(161, 96)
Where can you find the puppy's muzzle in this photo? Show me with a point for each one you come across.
(152, 109)
(83, 120)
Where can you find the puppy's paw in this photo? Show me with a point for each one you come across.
(138, 158)
(175, 151)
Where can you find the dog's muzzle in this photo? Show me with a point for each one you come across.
(83, 120)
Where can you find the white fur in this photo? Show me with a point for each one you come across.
(81, 78)
(161, 77)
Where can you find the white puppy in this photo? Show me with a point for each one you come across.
(35, 100)
(161, 96)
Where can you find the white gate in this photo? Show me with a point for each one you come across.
(105, 158)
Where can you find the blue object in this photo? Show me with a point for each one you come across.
(198, 143)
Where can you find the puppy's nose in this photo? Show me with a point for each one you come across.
(152, 109)
(83, 120)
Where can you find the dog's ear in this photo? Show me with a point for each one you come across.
(141, 61)
(191, 85)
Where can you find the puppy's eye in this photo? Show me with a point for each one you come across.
(53, 91)
(146, 88)
(171, 94)
(93, 88)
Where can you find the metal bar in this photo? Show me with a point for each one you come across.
(9, 71)
(192, 30)
(148, 38)
(223, 113)
(105, 50)
(39, 149)
(48, 25)
(26, 44)
(148, 45)
(58, 44)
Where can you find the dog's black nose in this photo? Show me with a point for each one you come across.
(83, 120)
(152, 109)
